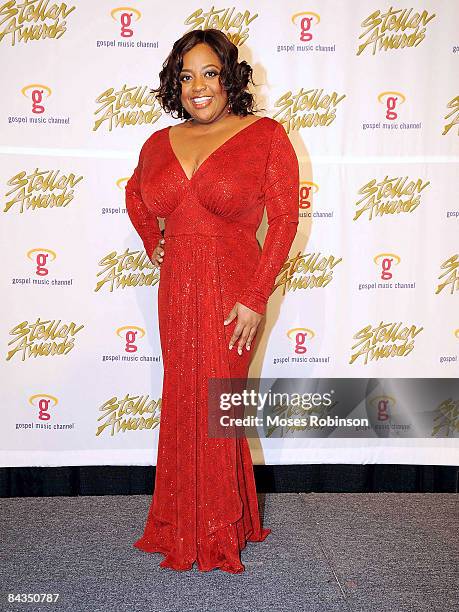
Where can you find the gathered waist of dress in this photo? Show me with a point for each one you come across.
(211, 226)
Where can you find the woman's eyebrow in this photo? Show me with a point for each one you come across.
(206, 66)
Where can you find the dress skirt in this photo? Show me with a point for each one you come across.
(204, 506)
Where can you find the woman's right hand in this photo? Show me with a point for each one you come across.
(158, 254)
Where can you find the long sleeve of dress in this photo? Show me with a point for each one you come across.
(144, 221)
(281, 186)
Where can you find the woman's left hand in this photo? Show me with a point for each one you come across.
(246, 326)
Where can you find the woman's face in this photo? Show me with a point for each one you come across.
(202, 95)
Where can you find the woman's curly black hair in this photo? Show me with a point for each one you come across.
(234, 75)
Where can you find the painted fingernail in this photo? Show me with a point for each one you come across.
(248, 347)
(230, 346)
(239, 350)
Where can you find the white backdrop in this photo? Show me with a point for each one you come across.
(371, 104)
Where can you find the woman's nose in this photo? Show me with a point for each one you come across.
(199, 84)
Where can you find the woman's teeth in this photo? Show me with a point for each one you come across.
(201, 102)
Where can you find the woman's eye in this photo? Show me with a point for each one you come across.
(211, 72)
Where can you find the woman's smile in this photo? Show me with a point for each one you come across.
(201, 101)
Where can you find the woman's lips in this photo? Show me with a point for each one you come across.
(201, 101)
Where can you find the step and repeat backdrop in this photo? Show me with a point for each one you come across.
(368, 93)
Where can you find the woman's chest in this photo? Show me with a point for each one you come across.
(228, 182)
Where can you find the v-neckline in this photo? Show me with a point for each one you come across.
(214, 152)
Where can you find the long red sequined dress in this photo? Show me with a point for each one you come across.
(204, 507)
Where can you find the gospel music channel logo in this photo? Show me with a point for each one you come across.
(130, 335)
(37, 94)
(301, 338)
(302, 345)
(451, 359)
(307, 191)
(117, 209)
(385, 264)
(42, 263)
(46, 415)
(127, 19)
(305, 21)
(391, 102)
(133, 339)
(304, 39)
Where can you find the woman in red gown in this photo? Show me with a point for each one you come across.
(210, 178)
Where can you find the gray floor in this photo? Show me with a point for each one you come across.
(328, 552)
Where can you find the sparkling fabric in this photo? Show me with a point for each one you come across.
(204, 507)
